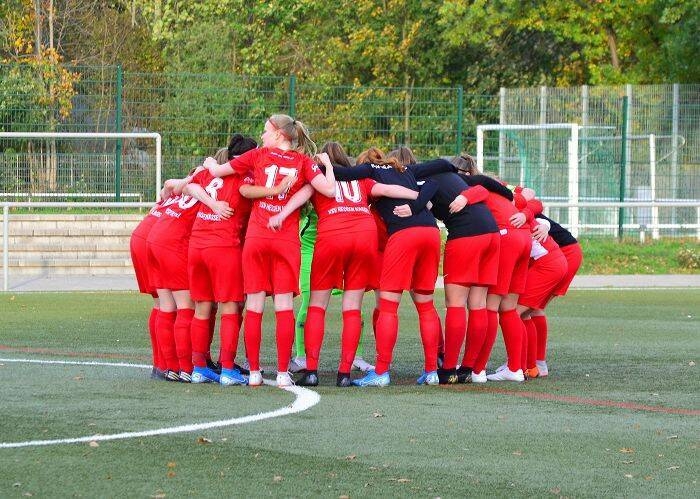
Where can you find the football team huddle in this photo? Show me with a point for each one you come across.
(226, 236)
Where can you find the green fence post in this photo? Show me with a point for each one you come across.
(460, 119)
(623, 167)
(292, 95)
(118, 129)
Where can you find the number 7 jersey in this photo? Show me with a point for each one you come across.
(269, 167)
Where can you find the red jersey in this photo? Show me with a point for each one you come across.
(348, 211)
(145, 225)
(269, 166)
(175, 224)
(209, 229)
(502, 210)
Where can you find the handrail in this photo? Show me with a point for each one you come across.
(608, 204)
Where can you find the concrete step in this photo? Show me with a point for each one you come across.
(95, 230)
(35, 266)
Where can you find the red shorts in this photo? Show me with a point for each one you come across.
(271, 265)
(411, 260)
(543, 277)
(215, 274)
(513, 261)
(167, 267)
(344, 262)
(139, 258)
(574, 257)
(472, 260)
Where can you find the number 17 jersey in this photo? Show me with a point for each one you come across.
(269, 166)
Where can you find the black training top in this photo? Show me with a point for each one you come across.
(386, 174)
(560, 235)
(472, 220)
(490, 184)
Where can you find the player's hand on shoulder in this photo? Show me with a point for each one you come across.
(403, 211)
(540, 233)
(275, 222)
(518, 220)
(222, 209)
(458, 204)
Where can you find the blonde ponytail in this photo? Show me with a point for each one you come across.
(296, 132)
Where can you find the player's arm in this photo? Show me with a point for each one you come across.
(490, 184)
(471, 195)
(220, 208)
(260, 191)
(428, 189)
(392, 191)
(176, 185)
(541, 230)
(294, 203)
(324, 184)
(241, 165)
(429, 168)
(357, 172)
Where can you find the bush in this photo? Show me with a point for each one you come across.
(689, 258)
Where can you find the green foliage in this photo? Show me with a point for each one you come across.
(689, 258)
(666, 256)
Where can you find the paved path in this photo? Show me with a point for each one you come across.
(128, 283)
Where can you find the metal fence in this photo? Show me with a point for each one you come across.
(196, 114)
(636, 143)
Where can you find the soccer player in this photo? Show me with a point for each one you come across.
(344, 256)
(410, 262)
(470, 266)
(168, 242)
(570, 248)
(502, 297)
(273, 258)
(138, 247)
(215, 267)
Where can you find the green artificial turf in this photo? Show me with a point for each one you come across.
(633, 350)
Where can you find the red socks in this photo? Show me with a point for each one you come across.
(429, 324)
(386, 333)
(455, 332)
(228, 331)
(165, 324)
(540, 322)
(252, 335)
(529, 360)
(350, 338)
(314, 328)
(491, 333)
(155, 352)
(284, 333)
(375, 316)
(513, 336)
(476, 336)
(183, 342)
(199, 332)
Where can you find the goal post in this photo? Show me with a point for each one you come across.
(571, 158)
(53, 159)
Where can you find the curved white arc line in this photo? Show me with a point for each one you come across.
(305, 399)
(78, 363)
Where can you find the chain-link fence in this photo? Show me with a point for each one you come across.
(196, 114)
(636, 143)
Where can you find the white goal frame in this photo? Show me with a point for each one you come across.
(572, 156)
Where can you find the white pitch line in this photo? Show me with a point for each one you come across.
(304, 400)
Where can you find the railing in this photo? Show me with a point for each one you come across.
(642, 228)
